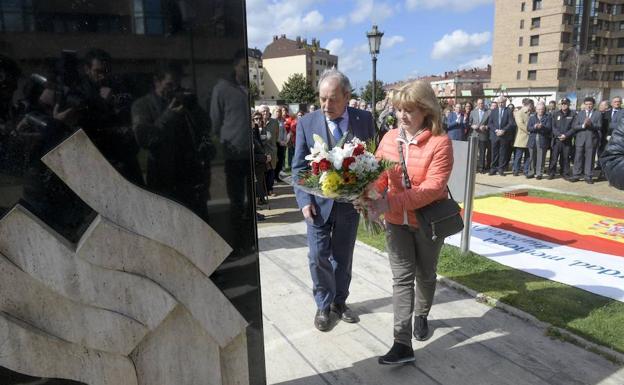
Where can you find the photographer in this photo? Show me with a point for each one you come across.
(169, 123)
(103, 111)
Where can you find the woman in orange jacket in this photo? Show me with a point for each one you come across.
(422, 146)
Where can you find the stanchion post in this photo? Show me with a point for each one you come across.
(473, 148)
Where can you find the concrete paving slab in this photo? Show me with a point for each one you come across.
(472, 343)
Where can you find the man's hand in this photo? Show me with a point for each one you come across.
(175, 106)
(309, 212)
(500, 132)
(62, 116)
(587, 122)
(105, 92)
(562, 137)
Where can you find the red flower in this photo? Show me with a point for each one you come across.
(359, 150)
(349, 178)
(324, 165)
(346, 162)
(315, 168)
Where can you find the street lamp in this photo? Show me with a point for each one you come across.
(374, 41)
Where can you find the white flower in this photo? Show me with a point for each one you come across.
(319, 151)
(336, 156)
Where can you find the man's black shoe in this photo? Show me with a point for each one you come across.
(573, 179)
(421, 329)
(344, 313)
(398, 354)
(551, 177)
(491, 172)
(501, 173)
(589, 181)
(539, 177)
(321, 320)
(516, 173)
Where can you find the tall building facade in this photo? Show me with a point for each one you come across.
(256, 71)
(547, 49)
(284, 57)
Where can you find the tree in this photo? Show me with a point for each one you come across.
(254, 93)
(577, 68)
(297, 90)
(380, 93)
(354, 94)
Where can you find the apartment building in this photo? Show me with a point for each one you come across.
(256, 70)
(547, 49)
(284, 57)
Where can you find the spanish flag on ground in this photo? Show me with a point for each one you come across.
(575, 224)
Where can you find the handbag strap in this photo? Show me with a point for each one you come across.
(406, 179)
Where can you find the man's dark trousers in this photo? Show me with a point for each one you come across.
(500, 154)
(330, 257)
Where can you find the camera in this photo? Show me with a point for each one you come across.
(185, 97)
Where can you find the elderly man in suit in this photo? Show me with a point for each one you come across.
(455, 123)
(332, 226)
(586, 128)
(479, 125)
(502, 128)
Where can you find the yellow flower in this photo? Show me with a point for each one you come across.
(330, 184)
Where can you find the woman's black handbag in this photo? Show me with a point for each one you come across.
(439, 219)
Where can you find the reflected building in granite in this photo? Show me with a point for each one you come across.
(123, 123)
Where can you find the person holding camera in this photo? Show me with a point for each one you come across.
(170, 125)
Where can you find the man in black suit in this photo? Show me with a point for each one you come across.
(586, 129)
(502, 129)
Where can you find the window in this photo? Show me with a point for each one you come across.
(535, 22)
(519, 58)
(521, 24)
(532, 75)
(522, 6)
(16, 16)
(620, 42)
(520, 41)
(565, 37)
(518, 75)
(532, 58)
(537, 5)
(148, 17)
(534, 40)
(621, 26)
(619, 59)
(618, 75)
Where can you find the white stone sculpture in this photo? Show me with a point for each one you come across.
(131, 303)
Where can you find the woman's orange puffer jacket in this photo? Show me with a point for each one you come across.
(429, 161)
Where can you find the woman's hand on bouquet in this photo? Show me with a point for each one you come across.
(376, 207)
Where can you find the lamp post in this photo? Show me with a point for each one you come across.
(374, 41)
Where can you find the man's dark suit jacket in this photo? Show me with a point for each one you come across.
(507, 124)
(361, 124)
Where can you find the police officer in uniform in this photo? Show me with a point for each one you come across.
(562, 134)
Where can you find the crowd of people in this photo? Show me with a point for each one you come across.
(274, 135)
(535, 139)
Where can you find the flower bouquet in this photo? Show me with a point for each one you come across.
(342, 173)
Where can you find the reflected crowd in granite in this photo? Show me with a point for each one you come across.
(160, 87)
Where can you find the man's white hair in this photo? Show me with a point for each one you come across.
(333, 73)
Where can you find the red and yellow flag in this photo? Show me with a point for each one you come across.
(575, 224)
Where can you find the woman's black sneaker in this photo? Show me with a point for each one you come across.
(398, 354)
(421, 328)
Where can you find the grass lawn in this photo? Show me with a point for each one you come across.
(591, 316)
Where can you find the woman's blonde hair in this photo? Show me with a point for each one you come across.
(419, 94)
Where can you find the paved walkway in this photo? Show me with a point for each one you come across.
(472, 343)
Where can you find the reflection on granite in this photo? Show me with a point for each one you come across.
(212, 140)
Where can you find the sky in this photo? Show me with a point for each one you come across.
(421, 37)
